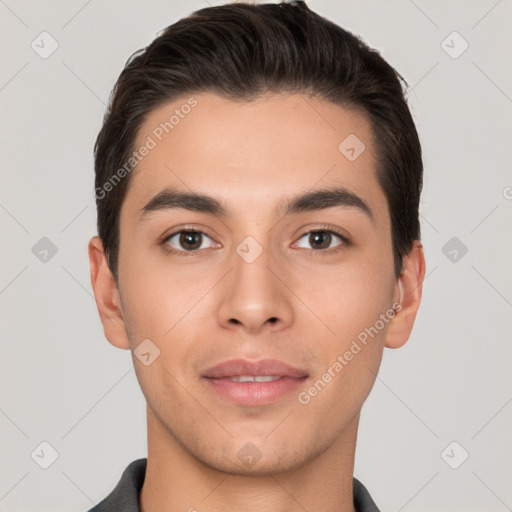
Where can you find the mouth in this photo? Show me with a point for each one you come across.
(255, 378)
(256, 383)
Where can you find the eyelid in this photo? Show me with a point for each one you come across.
(179, 229)
(324, 227)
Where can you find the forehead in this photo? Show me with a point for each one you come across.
(252, 154)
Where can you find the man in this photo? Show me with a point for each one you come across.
(258, 176)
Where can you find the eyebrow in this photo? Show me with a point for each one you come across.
(319, 199)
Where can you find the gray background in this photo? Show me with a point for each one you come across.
(63, 383)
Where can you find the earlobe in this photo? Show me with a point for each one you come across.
(106, 295)
(410, 287)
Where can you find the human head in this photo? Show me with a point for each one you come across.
(251, 168)
(240, 52)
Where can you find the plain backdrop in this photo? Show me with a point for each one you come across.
(435, 430)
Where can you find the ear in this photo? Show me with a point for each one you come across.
(107, 296)
(409, 289)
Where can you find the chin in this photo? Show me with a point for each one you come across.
(247, 459)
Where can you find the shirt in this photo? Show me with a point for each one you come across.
(125, 496)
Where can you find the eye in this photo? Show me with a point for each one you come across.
(322, 239)
(185, 241)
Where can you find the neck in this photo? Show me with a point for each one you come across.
(177, 480)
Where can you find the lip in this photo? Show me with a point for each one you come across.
(218, 379)
(264, 367)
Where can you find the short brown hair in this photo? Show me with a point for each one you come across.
(240, 51)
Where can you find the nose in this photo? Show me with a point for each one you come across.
(254, 299)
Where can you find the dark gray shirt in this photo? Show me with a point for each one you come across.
(125, 496)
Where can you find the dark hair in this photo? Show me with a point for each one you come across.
(241, 51)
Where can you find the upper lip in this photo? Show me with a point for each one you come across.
(264, 367)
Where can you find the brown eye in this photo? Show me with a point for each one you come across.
(187, 241)
(190, 240)
(320, 240)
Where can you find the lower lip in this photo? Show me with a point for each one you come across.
(255, 393)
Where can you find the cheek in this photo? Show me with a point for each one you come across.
(349, 299)
(156, 295)
(356, 309)
(336, 395)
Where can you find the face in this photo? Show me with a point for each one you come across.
(282, 289)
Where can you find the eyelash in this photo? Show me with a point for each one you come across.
(320, 229)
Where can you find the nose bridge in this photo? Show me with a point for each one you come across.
(255, 295)
(252, 277)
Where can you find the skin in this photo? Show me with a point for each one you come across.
(253, 156)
